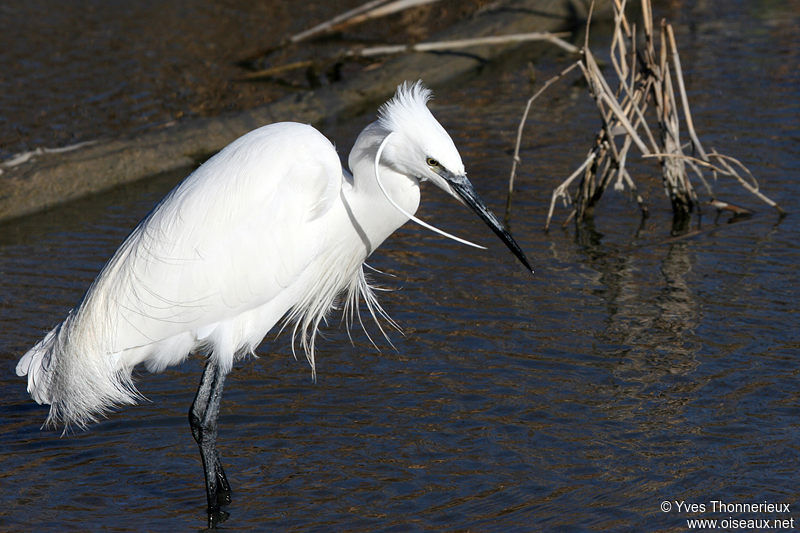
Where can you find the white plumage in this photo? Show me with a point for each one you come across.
(270, 227)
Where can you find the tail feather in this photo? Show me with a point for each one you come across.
(64, 371)
(36, 365)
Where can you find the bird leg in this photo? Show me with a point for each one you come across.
(203, 421)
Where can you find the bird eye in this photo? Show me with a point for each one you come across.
(432, 162)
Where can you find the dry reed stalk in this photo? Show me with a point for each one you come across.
(644, 88)
(521, 127)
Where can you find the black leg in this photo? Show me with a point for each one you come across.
(203, 421)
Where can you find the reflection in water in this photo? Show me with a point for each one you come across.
(623, 374)
(650, 323)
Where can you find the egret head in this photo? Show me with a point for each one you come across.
(420, 146)
(416, 145)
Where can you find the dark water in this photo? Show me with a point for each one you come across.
(72, 72)
(632, 369)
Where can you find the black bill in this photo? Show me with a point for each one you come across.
(462, 186)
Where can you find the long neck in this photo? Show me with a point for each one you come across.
(372, 213)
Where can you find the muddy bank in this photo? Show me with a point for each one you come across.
(47, 179)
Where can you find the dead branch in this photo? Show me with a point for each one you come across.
(370, 10)
(433, 46)
(437, 46)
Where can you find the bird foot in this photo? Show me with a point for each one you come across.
(216, 516)
(224, 497)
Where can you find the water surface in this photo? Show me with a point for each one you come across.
(633, 368)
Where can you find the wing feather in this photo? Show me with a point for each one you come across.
(230, 238)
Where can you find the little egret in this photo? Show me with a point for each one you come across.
(271, 227)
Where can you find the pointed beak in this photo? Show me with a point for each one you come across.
(466, 192)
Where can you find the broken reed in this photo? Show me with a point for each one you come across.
(644, 93)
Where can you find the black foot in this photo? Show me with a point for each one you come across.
(224, 497)
(216, 517)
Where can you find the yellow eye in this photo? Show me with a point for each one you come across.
(432, 162)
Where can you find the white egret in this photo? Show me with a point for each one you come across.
(271, 227)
